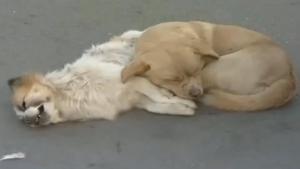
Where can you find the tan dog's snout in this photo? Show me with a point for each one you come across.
(195, 91)
(194, 88)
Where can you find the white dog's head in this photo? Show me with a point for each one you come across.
(33, 100)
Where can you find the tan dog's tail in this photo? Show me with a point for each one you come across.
(279, 93)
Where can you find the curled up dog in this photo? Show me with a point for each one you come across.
(224, 66)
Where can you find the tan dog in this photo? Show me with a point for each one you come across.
(252, 72)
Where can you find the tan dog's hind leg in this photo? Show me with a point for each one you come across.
(277, 94)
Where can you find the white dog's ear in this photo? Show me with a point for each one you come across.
(27, 80)
(135, 68)
(14, 82)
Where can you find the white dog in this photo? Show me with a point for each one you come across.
(91, 88)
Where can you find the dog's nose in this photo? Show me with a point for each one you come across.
(195, 92)
(29, 120)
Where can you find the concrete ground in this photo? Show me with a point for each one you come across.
(40, 35)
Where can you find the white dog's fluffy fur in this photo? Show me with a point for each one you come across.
(91, 88)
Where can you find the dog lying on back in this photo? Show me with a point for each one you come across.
(225, 66)
(91, 88)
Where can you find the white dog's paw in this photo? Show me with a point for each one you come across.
(166, 93)
(131, 34)
(187, 103)
(177, 99)
(180, 109)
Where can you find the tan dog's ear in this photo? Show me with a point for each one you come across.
(206, 52)
(135, 68)
(212, 56)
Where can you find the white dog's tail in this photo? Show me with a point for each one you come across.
(279, 93)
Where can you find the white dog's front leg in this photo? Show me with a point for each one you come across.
(158, 95)
(165, 108)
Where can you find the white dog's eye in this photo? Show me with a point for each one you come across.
(41, 109)
(24, 105)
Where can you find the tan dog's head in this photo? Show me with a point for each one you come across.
(178, 70)
(32, 100)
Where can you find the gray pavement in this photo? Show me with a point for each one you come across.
(43, 35)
